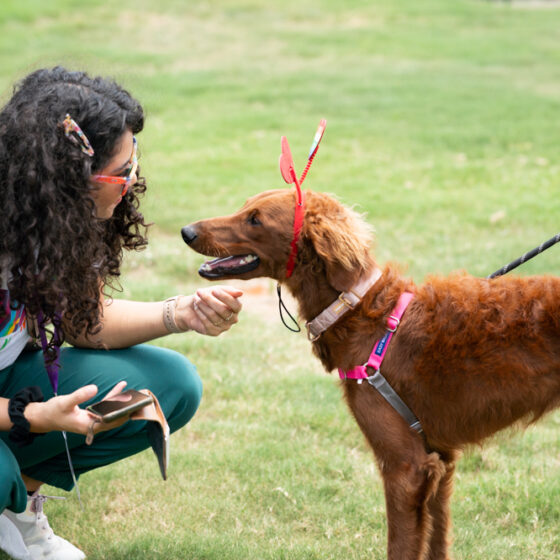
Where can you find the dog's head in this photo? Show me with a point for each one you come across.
(256, 240)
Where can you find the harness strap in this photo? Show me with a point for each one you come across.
(344, 303)
(380, 347)
(376, 358)
(390, 395)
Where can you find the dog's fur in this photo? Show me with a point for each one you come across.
(471, 356)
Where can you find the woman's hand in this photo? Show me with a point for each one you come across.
(209, 311)
(63, 413)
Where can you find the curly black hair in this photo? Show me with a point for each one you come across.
(58, 253)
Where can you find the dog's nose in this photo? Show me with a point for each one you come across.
(189, 235)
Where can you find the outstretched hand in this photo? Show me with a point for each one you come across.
(209, 311)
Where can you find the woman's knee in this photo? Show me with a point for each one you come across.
(189, 389)
(178, 387)
(13, 494)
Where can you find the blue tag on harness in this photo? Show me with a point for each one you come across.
(382, 343)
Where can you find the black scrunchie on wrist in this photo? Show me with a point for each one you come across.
(19, 432)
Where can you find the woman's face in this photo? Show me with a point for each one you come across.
(108, 195)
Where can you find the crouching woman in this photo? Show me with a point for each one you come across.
(69, 193)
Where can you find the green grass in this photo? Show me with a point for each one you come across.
(442, 127)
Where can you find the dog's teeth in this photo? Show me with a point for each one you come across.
(228, 262)
(248, 259)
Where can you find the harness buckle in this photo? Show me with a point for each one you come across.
(310, 336)
(346, 302)
(397, 322)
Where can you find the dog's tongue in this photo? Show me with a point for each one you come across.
(229, 266)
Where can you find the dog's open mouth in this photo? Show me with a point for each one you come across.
(229, 266)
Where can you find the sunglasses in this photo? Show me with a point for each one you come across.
(128, 176)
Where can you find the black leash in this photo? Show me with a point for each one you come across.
(527, 256)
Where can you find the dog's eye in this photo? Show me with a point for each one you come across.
(253, 220)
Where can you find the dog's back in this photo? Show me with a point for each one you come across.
(483, 354)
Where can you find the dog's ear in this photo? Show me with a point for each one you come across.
(341, 239)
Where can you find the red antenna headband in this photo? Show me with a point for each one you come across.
(289, 174)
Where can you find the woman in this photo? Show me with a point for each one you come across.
(69, 188)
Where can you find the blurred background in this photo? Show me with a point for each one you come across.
(442, 128)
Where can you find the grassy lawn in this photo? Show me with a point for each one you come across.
(442, 127)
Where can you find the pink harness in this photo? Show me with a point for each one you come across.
(376, 358)
(380, 348)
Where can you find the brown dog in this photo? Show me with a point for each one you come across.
(470, 357)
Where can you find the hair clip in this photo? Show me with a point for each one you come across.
(71, 130)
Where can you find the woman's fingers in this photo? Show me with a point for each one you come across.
(115, 390)
(210, 310)
(219, 304)
(77, 397)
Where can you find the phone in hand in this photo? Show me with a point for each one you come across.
(120, 405)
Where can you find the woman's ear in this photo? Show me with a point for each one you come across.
(340, 238)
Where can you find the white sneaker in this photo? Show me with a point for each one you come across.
(38, 537)
(11, 541)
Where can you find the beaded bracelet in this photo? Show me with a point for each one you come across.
(20, 432)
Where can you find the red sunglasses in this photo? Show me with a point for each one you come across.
(128, 177)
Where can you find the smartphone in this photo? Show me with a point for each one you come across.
(120, 405)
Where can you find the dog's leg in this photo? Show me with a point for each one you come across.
(409, 487)
(411, 476)
(441, 515)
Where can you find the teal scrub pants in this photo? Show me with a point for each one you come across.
(168, 374)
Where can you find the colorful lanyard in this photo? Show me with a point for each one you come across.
(51, 357)
(51, 353)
